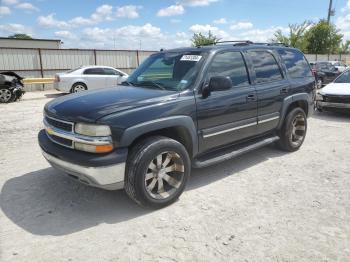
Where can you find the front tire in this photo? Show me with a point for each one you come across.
(293, 132)
(157, 171)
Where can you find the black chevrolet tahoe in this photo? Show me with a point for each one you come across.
(181, 108)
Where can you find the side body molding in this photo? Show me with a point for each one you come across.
(131, 133)
(294, 98)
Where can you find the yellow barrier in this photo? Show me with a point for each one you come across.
(32, 81)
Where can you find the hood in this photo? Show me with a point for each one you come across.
(12, 74)
(336, 89)
(89, 106)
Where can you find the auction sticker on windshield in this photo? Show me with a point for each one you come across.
(194, 58)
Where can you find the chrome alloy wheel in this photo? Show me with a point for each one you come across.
(164, 175)
(5, 95)
(298, 130)
(79, 88)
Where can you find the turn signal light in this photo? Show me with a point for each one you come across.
(93, 148)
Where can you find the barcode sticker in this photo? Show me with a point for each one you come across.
(194, 58)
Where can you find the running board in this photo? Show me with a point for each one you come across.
(198, 163)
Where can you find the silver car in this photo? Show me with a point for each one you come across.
(88, 78)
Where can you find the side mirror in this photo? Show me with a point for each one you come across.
(216, 83)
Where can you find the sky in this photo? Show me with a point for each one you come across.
(155, 24)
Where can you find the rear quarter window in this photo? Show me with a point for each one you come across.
(296, 63)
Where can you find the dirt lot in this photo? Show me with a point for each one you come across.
(264, 206)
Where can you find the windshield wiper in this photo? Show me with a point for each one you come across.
(151, 84)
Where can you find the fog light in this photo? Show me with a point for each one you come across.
(93, 148)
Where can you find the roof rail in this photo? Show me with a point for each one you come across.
(246, 42)
(273, 44)
(236, 42)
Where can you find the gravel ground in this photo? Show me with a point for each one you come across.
(263, 206)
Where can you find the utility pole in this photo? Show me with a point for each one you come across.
(331, 12)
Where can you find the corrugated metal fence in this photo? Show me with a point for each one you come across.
(338, 57)
(47, 62)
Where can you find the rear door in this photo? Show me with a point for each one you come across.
(271, 86)
(95, 78)
(231, 115)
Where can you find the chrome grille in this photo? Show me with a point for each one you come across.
(62, 141)
(60, 124)
(336, 99)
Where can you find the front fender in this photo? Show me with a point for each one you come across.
(131, 133)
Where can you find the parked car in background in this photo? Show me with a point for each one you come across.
(324, 72)
(88, 78)
(11, 87)
(340, 65)
(335, 96)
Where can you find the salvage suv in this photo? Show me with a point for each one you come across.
(181, 108)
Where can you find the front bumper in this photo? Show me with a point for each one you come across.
(61, 86)
(104, 171)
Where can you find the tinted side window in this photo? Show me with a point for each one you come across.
(110, 71)
(94, 71)
(296, 63)
(266, 67)
(230, 64)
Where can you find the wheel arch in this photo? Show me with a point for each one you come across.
(301, 100)
(179, 128)
(77, 81)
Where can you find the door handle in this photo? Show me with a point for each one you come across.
(251, 97)
(284, 90)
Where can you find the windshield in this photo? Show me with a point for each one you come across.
(172, 71)
(343, 78)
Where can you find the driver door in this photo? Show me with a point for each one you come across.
(227, 116)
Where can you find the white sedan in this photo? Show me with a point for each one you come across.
(336, 95)
(88, 78)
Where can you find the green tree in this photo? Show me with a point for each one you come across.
(20, 36)
(199, 39)
(323, 38)
(344, 47)
(295, 37)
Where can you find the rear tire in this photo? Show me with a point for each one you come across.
(78, 87)
(293, 132)
(157, 171)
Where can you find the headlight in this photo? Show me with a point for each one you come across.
(92, 130)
